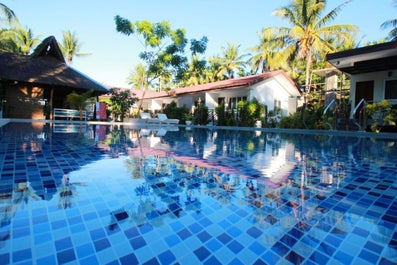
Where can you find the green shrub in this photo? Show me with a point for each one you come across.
(174, 112)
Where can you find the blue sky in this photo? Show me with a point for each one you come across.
(113, 55)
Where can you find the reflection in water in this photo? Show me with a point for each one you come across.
(67, 191)
(284, 180)
(275, 181)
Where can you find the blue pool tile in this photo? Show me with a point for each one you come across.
(376, 248)
(152, 261)
(184, 233)
(213, 245)
(361, 232)
(51, 259)
(146, 228)
(236, 261)
(319, 258)
(294, 257)
(288, 240)
(213, 261)
(85, 250)
(21, 255)
(195, 228)
(101, 244)
(22, 232)
(138, 242)
(343, 257)
(97, 234)
(234, 231)
(172, 240)
(132, 232)
(66, 256)
(235, 246)
(280, 248)
(202, 253)
(268, 258)
(92, 260)
(204, 236)
(224, 238)
(129, 259)
(369, 256)
(58, 224)
(257, 248)
(63, 243)
(5, 258)
(254, 232)
(166, 257)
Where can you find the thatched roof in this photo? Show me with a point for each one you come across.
(46, 66)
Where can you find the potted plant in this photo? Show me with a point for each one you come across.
(188, 117)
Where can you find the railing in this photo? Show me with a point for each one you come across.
(69, 114)
(325, 112)
(360, 106)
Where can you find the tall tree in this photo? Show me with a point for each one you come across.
(23, 39)
(267, 56)
(309, 32)
(121, 101)
(71, 46)
(232, 62)
(391, 24)
(214, 71)
(9, 15)
(138, 78)
(164, 49)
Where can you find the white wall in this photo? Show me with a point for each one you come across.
(379, 79)
(268, 91)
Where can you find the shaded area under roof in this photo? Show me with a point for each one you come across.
(379, 57)
(46, 66)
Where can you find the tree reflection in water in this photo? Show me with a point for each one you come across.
(181, 172)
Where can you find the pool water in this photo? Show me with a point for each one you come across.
(101, 194)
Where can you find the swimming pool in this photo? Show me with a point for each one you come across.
(108, 195)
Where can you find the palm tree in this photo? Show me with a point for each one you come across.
(391, 24)
(71, 46)
(9, 15)
(79, 101)
(310, 33)
(138, 79)
(267, 56)
(214, 71)
(23, 40)
(232, 62)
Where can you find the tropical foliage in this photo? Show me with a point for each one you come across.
(310, 35)
(120, 102)
(392, 23)
(79, 101)
(70, 46)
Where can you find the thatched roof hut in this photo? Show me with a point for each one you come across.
(29, 80)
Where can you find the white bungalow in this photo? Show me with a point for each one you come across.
(372, 70)
(273, 89)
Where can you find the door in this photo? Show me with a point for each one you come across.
(364, 90)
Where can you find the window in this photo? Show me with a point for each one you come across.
(391, 89)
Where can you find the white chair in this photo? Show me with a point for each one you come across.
(148, 119)
(164, 119)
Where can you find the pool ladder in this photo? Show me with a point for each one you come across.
(333, 101)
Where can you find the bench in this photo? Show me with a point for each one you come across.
(69, 114)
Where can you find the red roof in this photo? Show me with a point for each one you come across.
(225, 84)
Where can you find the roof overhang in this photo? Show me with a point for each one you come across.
(374, 58)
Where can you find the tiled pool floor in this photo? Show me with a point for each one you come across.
(195, 197)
